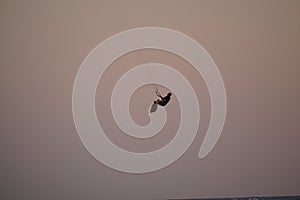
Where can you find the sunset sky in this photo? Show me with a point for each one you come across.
(256, 46)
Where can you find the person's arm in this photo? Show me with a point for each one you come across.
(158, 94)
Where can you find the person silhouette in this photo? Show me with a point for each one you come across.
(163, 100)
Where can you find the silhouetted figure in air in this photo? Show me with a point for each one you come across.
(162, 101)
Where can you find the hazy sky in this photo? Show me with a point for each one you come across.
(256, 46)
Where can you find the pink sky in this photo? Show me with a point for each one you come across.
(256, 46)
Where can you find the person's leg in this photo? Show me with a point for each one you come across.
(162, 102)
(157, 101)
